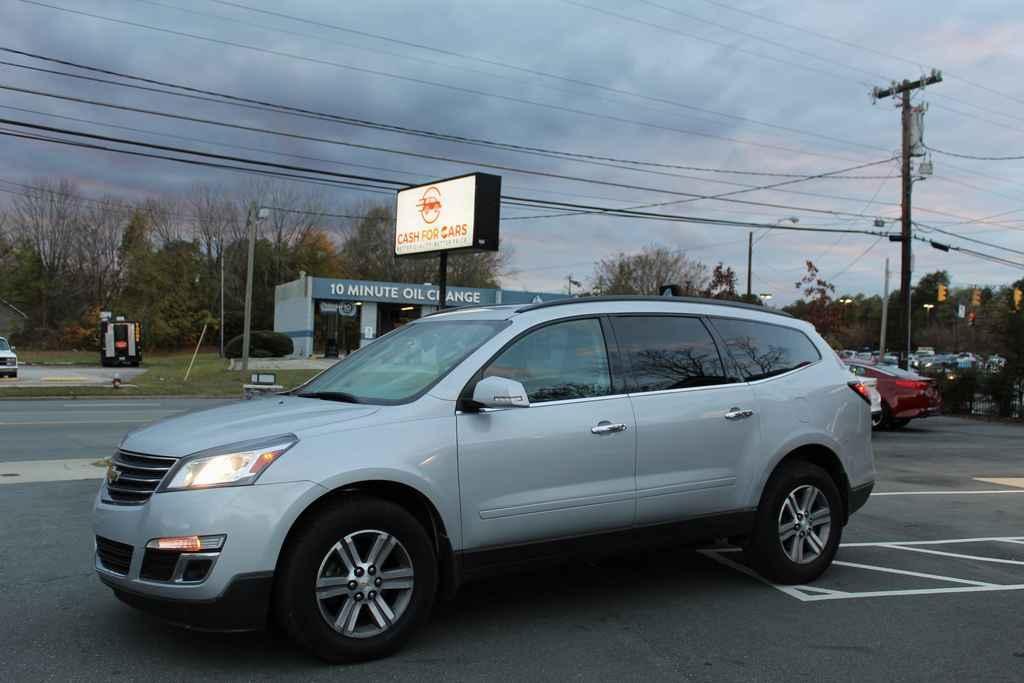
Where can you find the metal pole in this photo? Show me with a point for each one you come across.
(442, 294)
(247, 328)
(885, 311)
(750, 261)
(222, 297)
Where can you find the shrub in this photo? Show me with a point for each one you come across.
(262, 344)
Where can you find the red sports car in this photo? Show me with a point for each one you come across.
(905, 395)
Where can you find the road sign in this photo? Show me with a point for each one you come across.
(961, 311)
(347, 309)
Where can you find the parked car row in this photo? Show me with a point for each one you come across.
(904, 394)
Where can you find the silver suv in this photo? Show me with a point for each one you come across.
(476, 440)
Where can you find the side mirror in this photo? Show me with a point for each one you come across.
(500, 392)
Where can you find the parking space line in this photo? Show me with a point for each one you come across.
(949, 492)
(791, 591)
(914, 591)
(961, 556)
(904, 572)
(942, 541)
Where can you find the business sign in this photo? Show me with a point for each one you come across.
(449, 215)
(327, 290)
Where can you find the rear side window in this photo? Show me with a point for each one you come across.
(558, 362)
(762, 350)
(668, 352)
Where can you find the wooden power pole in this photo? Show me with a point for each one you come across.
(904, 90)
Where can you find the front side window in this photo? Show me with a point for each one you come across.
(557, 362)
(401, 365)
(762, 350)
(3, 345)
(668, 352)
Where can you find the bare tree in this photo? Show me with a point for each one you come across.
(166, 218)
(646, 271)
(47, 216)
(98, 245)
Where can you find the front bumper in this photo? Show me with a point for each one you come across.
(255, 521)
(242, 607)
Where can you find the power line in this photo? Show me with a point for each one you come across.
(974, 156)
(857, 259)
(968, 238)
(536, 151)
(513, 200)
(433, 157)
(856, 46)
(420, 81)
(514, 67)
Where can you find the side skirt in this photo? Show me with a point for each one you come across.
(477, 563)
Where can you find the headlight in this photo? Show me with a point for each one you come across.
(233, 465)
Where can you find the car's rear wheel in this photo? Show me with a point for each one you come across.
(356, 581)
(799, 524)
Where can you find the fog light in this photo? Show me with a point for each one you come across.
(187, 544)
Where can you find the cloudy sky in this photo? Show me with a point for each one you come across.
(737, 85)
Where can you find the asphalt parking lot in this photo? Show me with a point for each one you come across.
(929, 585)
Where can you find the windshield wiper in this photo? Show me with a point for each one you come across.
(340, 396)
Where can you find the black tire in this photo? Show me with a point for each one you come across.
(899, 424)
(296, 606)
(765, 548)
(886, 421)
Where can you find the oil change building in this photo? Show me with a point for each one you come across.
(311, 310)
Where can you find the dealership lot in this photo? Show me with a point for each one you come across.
(928, 585)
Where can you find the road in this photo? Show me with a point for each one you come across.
(68, 376)
(890, 609)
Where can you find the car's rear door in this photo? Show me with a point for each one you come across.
(696, 423)
(565, 465)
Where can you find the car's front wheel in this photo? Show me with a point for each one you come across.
(356, 581)
(799, 524)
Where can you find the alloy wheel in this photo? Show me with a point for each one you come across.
(364, 584)
(805, 524)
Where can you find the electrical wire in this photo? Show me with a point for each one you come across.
(433, 157)
(420, 81)
(974, 156)
(263, 105)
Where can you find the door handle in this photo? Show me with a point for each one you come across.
(605, 427)
(738, 413)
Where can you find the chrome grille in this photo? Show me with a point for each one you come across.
(8, 361)
(133, 477)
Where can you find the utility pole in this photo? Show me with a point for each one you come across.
(222, 295)
(904, 90)
(750, 262)
(251, 221)
(885, 311)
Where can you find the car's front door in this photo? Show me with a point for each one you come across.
(564, 466)
(697, 425)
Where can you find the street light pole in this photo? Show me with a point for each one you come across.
(750, 250)
(251, 222)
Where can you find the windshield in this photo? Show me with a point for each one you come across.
(3, 345)
(404, 363)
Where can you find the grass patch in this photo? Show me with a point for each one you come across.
(59, 357)
(165, 376)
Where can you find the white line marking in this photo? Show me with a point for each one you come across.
(979, 558)
(788, 590)
(1013, 540)
(35, 471)
(943, 541)
(904, 572)
(916, 591)
(112, 404)
(946, 493)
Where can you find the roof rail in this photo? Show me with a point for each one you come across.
(663, 299)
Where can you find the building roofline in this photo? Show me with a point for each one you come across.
(661, 299)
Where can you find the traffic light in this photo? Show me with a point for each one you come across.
(943, 292)
(1017, 296)
(976, 297)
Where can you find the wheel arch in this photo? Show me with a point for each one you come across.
(825, 458)
(408, 497)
